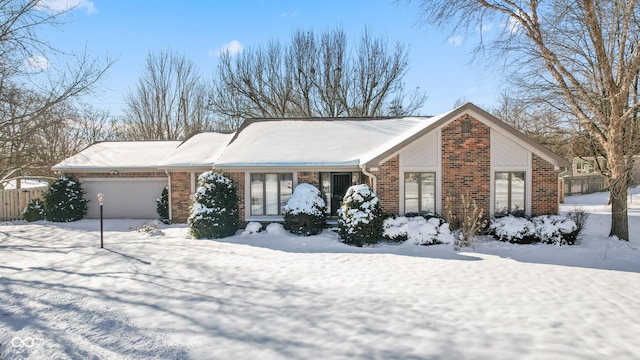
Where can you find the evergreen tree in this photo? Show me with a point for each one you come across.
(214, 213)
(360, 217)
(64, 201)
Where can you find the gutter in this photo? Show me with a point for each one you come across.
(374, 180)
(169, 193)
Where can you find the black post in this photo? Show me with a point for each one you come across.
(101, 229)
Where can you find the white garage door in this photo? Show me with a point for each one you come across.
(124, 198)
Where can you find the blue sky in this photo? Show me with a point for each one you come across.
(440, 64)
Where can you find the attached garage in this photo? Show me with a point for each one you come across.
(124, 198)
(126, 172)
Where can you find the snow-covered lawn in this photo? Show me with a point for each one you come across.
(278, 296)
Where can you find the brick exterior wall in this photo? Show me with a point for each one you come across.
(544, 188)
(388, 186)
(180, 196)
(466, 165)
(309, 177)
(238, 181)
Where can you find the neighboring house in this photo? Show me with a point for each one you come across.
(413, 164)
(584, 176)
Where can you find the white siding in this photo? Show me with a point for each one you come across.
(507, 154)
(422, 153)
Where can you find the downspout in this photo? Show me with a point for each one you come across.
(374, 180)
(166, 171)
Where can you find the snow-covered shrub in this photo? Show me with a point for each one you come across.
(419, 230)
(360, 217)
(252, 228)
(162, 205)
(214, 213)
(34, 211)
(64, 201)
(548, 229)
(517, 230)
(304, 212)
(558, 230)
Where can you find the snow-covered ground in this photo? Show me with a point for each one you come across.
(278, 296)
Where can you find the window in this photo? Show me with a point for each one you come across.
(585, 166)
(270, 193)
(419, 192)
(510, 193)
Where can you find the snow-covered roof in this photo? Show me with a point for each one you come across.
(118, 155)
(200, 150)
(312, 143)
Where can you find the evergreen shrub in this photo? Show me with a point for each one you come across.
(360, 217)
(214, 213)
(64, 201)
(304, 213)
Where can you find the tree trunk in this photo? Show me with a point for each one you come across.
(619, 218)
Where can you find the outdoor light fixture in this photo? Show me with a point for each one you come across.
(101, 201)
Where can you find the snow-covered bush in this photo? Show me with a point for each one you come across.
(64, 201)
(517, 230)
(360, 217)
(304, 212)
(162, 205)
(548, 229)
(252, 228)
(214, 213)
(419, 230)
(558, 230)
(34, 211)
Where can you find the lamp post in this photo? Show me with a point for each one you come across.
(101, 201)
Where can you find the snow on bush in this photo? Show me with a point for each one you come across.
(34, 211)
(558, 230)
(419, 230)
(214, 213)
(360, 217)
(252, 228)
(64, 201)
(276, 229)
(304, 212)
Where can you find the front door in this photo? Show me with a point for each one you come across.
(340, 182)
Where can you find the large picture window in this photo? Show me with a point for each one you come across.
(270, 193)
(419, 192)
(510, 193)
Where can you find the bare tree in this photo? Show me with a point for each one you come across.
(589, 52)
(34, 79)
(537, 121)
(170, 100)
(315, 76)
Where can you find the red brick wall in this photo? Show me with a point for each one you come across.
(544, 188)
(466, 160)
(180, 196)
(238, 181)
(309, 177)
(388, 187)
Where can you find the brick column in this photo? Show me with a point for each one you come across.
(238, 181)
(180, 196)
(466, 160)
(544, 187)
(388, 190)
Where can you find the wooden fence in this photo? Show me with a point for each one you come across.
(13, 201)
